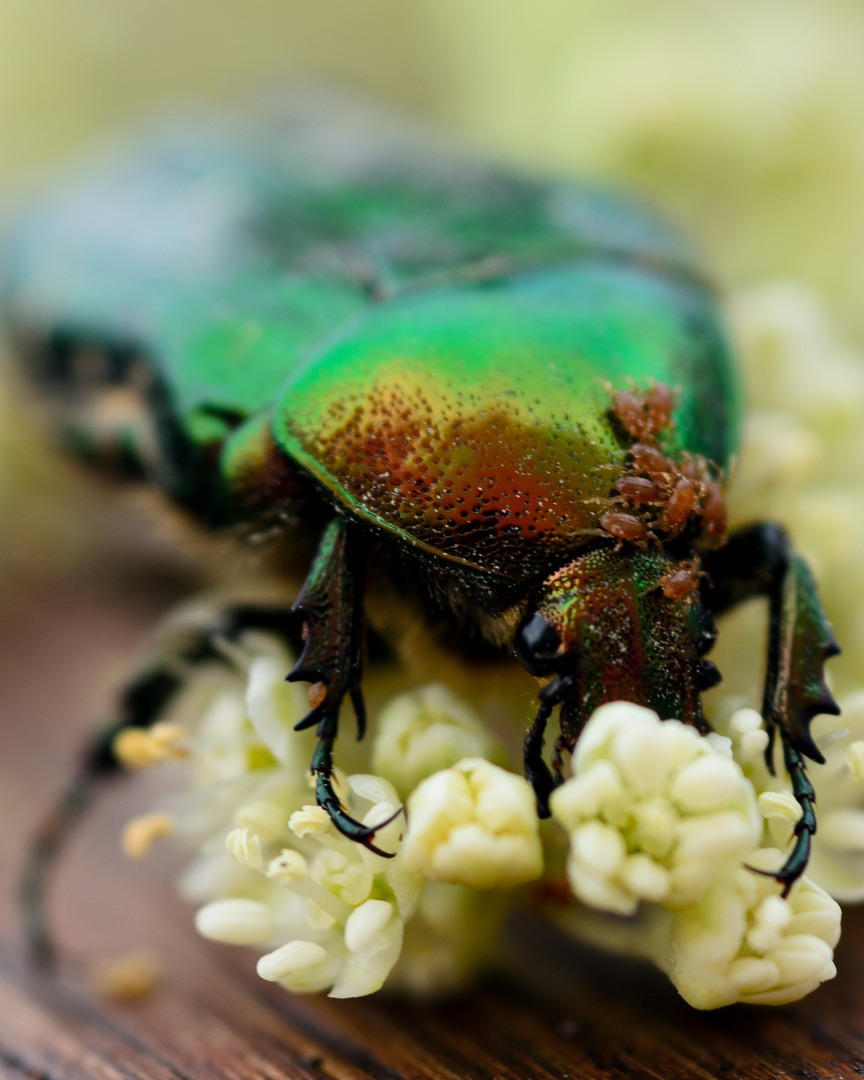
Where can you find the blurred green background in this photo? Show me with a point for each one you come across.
(743, 118)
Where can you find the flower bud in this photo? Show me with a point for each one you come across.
(476, 825)
(289, 959)
(245, 848)
(365, 922)
(309, 821)
(238, 921)
(424, 731)
(654, 811)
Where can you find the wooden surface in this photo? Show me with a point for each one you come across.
(560, 1011)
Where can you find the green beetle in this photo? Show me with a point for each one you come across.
(515, 399)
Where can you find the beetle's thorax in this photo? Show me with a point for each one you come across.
(632, 628)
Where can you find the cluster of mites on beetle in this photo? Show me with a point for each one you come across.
(656, 499)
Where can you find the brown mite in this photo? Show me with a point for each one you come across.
(650, 460)
(638, 489)
(688, 467)
(631, 412)
(317, 694)
(681, 581)
(714, 511)
(624, 527)
(679, 506)
(660, 402)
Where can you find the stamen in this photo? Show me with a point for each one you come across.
(245, 848)
(138, 748)
(140, 833)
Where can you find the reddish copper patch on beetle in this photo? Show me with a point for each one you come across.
(489, 486)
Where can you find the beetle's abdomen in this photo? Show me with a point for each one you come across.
(474, 423)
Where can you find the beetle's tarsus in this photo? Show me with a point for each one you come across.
(311, 719)
(759, 561)
(768, 753)
(330, 605)
(538, 774)
(327, 799)
(141, 703)
(805, 827)
(359, 710)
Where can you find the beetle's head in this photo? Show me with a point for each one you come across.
(623, 624)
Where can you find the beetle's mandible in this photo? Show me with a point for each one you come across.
(515, 396)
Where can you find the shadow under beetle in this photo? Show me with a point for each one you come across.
(516, 396)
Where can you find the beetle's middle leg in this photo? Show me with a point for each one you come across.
(759, 561)
(331, 604)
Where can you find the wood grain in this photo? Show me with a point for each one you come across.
(555, 1011)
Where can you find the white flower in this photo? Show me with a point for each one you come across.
(290, 959)
(812, 482)
(654, 811)
(474, 824)
(454, 934)
(273, 871)
(244, 847)
(332, 911)
(426, 730)
(777, 451)
(798, 366)
(743, 942)
(800, 462)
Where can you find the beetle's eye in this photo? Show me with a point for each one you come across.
(537, 643)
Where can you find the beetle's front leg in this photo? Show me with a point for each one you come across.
(759, 561)
(331, 605)
(538, 774)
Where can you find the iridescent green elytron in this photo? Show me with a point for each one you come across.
(448, 373)
(473, 421)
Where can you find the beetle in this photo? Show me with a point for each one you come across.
(514, 398)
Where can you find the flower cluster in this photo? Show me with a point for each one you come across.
(659, 819)
(334, 910)
(743, 942)
(474, 824)
(654, 811)
(802, 442)
(273, 873)
(663, 820)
